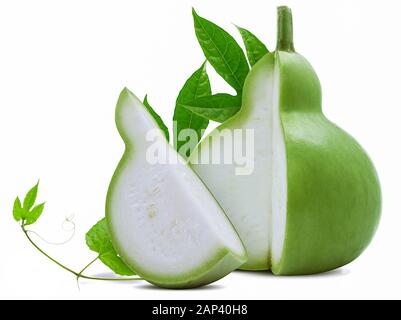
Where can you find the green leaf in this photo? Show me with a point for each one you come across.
(98, 237)
(255, 48)
(34, 214)
(157, 118)
(18, 212)
(197, 86)
(114, 262)
(222, 51)
(30, 197)
(98, 240)
(219, 107)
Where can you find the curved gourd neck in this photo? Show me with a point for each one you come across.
(299, 85)
(285, 41)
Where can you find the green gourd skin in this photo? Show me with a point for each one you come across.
(333, 196)
(333, 192)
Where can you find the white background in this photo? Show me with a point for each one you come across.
(62, 66)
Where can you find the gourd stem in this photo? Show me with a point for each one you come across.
(285, 40)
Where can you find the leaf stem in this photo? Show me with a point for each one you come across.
(77, 274)
(86, 267)
(285, 41)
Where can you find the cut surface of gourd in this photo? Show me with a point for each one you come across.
(247, 199)
(164, 222)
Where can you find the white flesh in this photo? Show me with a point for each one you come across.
(279, 174)
(163, 220)
(256, 203)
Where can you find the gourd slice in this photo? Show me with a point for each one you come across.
(164, 222)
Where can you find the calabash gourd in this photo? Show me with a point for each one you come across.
(313, 201)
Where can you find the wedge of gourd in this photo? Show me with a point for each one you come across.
(164, 222)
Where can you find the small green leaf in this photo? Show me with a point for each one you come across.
(222, 51)
(219, 107)
(30, 197)
(157, 118)
(255, 48)
(34, 214)
(114, 262)
(98, 237)
(197, 86)
(18, 212)
(98, 240)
